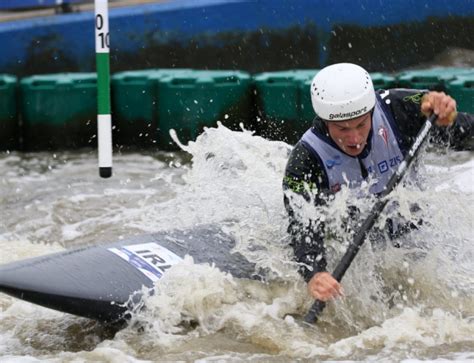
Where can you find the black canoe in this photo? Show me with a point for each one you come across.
(101, 282)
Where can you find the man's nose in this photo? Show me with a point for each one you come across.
(354, 137)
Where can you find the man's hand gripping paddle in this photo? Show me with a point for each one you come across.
(359, 237)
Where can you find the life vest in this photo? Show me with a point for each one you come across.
(380, 162)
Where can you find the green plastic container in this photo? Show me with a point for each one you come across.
(462, 90)
(382, 81)
(306, 112)
(191, 101)
(9, 130)
(284, 104)
(59, 111)
(432, 79)
(135, 105)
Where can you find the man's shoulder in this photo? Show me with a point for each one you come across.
(303, 171)
(301, 158)
(299, 155)
(406, 96)
(404, 106)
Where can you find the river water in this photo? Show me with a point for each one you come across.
(401, 304)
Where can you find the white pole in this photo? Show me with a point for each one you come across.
(104, 119)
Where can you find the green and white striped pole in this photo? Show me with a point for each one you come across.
(104, 120)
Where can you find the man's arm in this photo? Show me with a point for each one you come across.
(303, 180)
(406, 108)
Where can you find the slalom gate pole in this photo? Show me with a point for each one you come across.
(104, 119)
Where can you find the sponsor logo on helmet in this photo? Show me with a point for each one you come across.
(348, 115)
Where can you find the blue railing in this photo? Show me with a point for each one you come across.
(33, 4)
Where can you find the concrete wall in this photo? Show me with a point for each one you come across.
(252, 35)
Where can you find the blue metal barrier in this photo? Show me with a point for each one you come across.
(29, 4)
(250, 35)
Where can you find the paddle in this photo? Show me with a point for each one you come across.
(359, 237)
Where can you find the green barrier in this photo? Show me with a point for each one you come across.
(8, 113)
(191, 101)
(59, 111)
(382, 81)
(305, 104)
(462, 90)
(432, 79)
(135, 105)
(284, 104)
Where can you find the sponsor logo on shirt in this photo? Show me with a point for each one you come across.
(330, 163)
(383, 134)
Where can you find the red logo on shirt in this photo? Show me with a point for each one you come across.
(383, 134)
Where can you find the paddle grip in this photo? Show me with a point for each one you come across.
(313, 313)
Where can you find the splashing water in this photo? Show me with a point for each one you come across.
(401, 303)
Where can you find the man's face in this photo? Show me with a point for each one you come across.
(351, 135)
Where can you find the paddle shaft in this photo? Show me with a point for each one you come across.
(359, 237)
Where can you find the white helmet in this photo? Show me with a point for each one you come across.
(342, 91)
